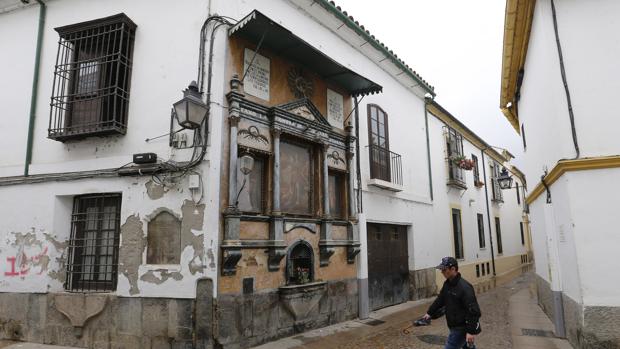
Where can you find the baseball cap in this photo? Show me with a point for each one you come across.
(447, 262)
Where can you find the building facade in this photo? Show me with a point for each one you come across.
(557, 92)
(286, 190)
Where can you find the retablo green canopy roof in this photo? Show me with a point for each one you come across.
(258, 28)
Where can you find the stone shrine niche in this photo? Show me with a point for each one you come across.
(300, 264)
(164, 239)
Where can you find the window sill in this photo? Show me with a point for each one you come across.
(457, 184)
(63, 135)
(379, 183)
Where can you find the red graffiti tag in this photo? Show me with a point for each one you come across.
(24, 264)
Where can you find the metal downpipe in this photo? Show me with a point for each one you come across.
(35, 86)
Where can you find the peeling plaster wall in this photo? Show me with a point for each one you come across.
(37, 225)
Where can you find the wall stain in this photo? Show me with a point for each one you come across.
(193, 219)
(131, 250)
(154, 191)
(165, 275)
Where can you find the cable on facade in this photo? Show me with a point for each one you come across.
(571, 115)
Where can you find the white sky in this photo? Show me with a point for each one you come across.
(456, 46)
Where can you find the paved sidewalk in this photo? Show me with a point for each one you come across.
(530, 326)
(511, 319)
(4, 344)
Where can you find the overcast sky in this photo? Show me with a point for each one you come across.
(455, 45)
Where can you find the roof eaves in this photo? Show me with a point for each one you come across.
(517, 25)
(358, 28)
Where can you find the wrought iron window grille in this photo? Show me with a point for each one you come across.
(454, 148)
(92, 264)
(90, 93)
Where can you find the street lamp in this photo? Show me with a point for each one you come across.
(504, 179)
(190, 111)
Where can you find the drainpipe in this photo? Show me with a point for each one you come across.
(35, 86)
(428, 149)
(486, 194)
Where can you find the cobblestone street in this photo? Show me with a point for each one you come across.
(390, 328)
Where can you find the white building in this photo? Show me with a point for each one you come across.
(558, 90)
(199, 248)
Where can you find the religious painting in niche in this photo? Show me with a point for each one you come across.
(296, 178)
(299, 269)
(335, 108)
(256, 82)
(164, 239)
(251, 187)
(336, 194)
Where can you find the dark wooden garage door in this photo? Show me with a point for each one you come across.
(388, 267)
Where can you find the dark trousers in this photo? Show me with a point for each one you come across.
(456, 340)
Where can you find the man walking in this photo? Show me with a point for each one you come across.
(462, 310)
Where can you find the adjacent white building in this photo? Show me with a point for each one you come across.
(558, 89)
(323, 167)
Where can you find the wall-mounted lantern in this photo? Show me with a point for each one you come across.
(190, 111)
(504, 179)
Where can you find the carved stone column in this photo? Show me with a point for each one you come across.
(353, 226)
(276, 228)
(231, 246)
(325, 251)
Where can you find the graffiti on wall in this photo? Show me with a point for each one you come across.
(31, 255)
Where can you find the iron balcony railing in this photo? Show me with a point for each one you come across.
(385, 165)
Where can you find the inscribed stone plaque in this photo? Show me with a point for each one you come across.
(164, 240)
(335, 108)
(256, 82)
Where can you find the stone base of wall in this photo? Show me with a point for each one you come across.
(589, 327)
(110, 321)
(422, 284)
(248, 320)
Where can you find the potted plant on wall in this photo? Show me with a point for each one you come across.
(462, 162)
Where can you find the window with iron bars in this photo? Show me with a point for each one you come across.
(92, 263)
(90, 94)
(454, 147)
(496, 190)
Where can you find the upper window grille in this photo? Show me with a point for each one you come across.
(90, 94)
(474, 158)
(496, 189)
(92, 263)
(454, 147)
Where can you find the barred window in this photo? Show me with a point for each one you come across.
(454, 146)
(90, 93)
(497, 196)
(92, 263)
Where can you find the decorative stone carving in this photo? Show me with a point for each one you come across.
(275, 256)
(230, 258)
(300, 300)
(79, 307)
(311, 227)
(337, 158)
(253, 136)
(352, 251)
(325, 253)
(300, 85)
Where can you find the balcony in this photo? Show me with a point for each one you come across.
(456, 177)
(386, 171)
